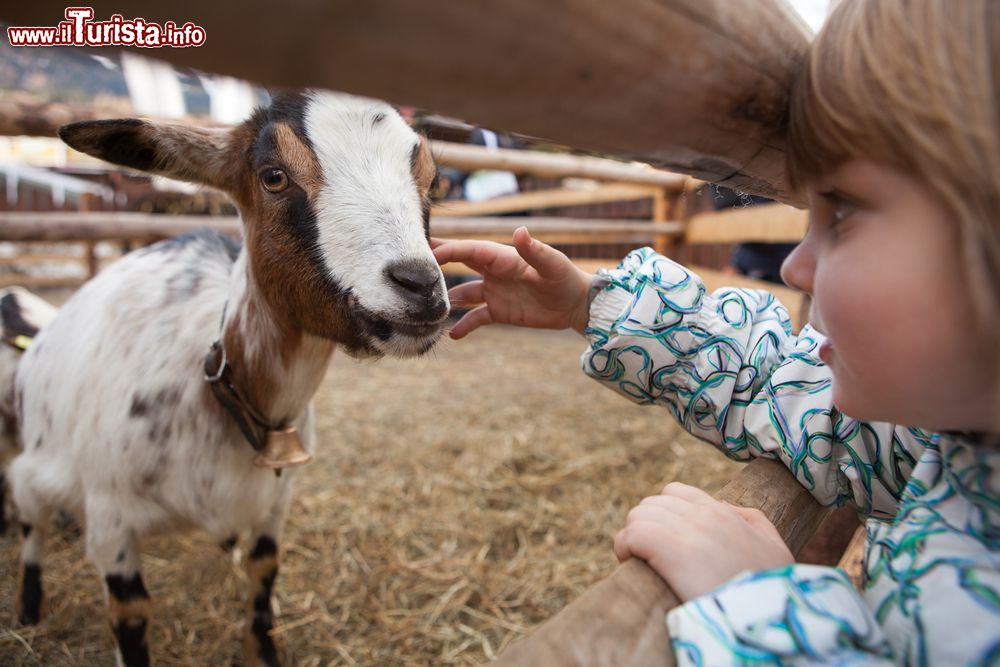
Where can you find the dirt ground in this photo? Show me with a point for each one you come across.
(456, 501)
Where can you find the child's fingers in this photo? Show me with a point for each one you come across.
(435, 242)
(622, 552)
(668, 516)
(466, 294)
(760, 523)
(477, 254)
(751, 515)
(670, 503)
(645, 540)
(544, 258)
(472, 320)
(689, 493)
(758, 520)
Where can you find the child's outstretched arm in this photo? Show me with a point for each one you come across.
(726, 364)
(728, 367)
(530, 285)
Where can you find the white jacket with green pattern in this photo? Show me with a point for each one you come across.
(730, 370)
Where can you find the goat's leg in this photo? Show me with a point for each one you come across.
(262, 568)
(30, 598)
(261, 565)
(115, 552)
(34, 512)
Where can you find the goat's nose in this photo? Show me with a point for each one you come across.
(414, 278)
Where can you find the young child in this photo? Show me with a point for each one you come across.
(888, 400)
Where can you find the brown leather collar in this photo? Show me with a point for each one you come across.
(219, 376)
(277, 445)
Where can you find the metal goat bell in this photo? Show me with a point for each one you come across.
(282, 449)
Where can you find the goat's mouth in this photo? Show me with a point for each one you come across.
(395, 336)
(415, 330)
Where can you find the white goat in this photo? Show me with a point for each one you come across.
(126, 421)
(22, 314)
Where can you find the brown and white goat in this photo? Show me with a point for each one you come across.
(119, 424)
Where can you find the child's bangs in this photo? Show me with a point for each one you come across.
(837, 102)
(815, 141)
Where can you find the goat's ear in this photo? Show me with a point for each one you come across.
(185, 153)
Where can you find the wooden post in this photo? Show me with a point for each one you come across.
(661, 210)
(852, 560)
(88, 204)
(697, 86)
(90, 254)
(621, 620)
(676, 210)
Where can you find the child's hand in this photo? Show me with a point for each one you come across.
(697, 543)
(530, 285)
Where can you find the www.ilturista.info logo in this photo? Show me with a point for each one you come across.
(79, 30)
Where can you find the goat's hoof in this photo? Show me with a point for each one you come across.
(29, 618)
(260, 649)
(29, 612)
(29, 595)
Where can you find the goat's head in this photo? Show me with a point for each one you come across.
(334, 195)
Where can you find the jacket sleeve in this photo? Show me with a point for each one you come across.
(794, 615)
(730, 370)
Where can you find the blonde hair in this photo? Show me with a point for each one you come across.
(912, 84)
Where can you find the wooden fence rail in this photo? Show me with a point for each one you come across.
(565, 231)
(65, 226)
(766, 223)
(750, 224)
(551, 198)
(468, 157)
(113, 226)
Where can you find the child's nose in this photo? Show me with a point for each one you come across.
(799, 267)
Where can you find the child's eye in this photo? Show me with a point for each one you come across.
(839, 207)
(842, 210)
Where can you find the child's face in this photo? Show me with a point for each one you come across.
(882, 263)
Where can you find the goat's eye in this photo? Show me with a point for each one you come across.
(274, 180)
